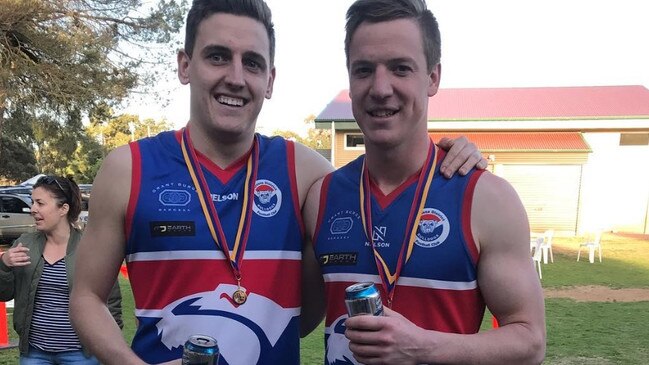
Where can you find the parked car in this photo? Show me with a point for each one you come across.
(15, 216)
(85, 196)
(16, 189)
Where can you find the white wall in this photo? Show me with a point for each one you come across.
(615, 185)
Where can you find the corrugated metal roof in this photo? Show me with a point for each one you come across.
(591, 102)
(527, 142)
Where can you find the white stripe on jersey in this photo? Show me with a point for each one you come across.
(403, 281)
(211, 255)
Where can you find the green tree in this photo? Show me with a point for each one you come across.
(290, 135)
(86, 160)
(19, 163)
(59, 59)
(113, 131)
(317, 139)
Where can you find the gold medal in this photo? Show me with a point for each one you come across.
(239, 296)
(235, 252)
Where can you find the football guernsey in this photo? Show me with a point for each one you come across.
(436, 288)
(183, 284)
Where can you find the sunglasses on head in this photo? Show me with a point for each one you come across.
(49, 180)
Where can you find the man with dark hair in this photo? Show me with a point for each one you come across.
(207, 217)
(438, 250)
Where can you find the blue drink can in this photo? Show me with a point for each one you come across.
(363, 298)
(200, 350)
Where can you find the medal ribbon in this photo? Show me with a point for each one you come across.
(234, 253)
(424, 182)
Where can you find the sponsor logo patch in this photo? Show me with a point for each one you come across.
(173, 196)
(340, 258)
(169, 229)
(341, 223)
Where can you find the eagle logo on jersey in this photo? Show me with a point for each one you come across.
(433, 228)
(267, 198)
(338, 352)
(243, 332)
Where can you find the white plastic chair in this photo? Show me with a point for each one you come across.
(592, 245)
(536, 255)
(546, 247)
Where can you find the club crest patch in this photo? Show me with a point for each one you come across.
(433, 228)
(267, 198)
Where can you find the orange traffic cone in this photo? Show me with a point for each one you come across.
(124, 271)
(494, 322)
(4, 331)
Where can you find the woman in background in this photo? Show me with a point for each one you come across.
(37, 272)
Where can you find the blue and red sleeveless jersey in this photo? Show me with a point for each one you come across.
(437, 288)
(182, 282)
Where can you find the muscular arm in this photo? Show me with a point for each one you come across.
(508, 282)
(99, 256)
(310, 167)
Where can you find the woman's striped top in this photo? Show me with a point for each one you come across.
(51, 329)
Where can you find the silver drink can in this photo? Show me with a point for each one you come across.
(363, 298)
(200, 350)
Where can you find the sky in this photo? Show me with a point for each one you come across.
(495, 43)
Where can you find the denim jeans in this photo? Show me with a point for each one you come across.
(36, 356)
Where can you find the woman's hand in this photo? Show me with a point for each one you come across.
(16, 256)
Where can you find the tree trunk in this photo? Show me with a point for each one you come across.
(3, 107)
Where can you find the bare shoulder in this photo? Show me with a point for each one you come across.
(311, 162)
(309, 167)
(112, 184)
(497, 215)
(119, 159)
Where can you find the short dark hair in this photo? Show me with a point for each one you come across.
(375, 11)
(255, 9)
(65, 191)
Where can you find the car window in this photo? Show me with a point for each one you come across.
(12, 205)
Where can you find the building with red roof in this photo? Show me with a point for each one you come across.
(577, 156)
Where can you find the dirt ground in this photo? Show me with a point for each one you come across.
(594, 293)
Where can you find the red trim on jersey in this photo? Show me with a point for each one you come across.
(385, 200)
(136, 180)
(224, 175)
(465, 215)
(321, 206)
(442, 155)
(157, 283)
(292, 176)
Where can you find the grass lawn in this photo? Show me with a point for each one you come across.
(593, 333)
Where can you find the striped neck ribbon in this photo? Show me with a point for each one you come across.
(424, 182)
(233, 253)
